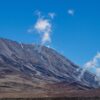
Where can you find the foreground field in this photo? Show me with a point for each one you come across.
(60, 94)
(63, 98)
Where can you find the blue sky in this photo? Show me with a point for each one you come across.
(76, 35)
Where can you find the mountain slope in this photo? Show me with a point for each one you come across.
(38, 69)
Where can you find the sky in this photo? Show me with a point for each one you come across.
(72, 27)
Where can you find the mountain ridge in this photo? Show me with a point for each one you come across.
(34, 68)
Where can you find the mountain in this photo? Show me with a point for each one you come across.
(38, 70)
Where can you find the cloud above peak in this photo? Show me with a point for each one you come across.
(43, 27)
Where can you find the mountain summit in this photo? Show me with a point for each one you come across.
(39, 70)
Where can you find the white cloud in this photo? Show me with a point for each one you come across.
(46, 38)
(71, 12)
(43, 27)
(92, 64)
(97, 77)
(98, 72)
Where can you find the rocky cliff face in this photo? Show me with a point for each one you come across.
(28, 67)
